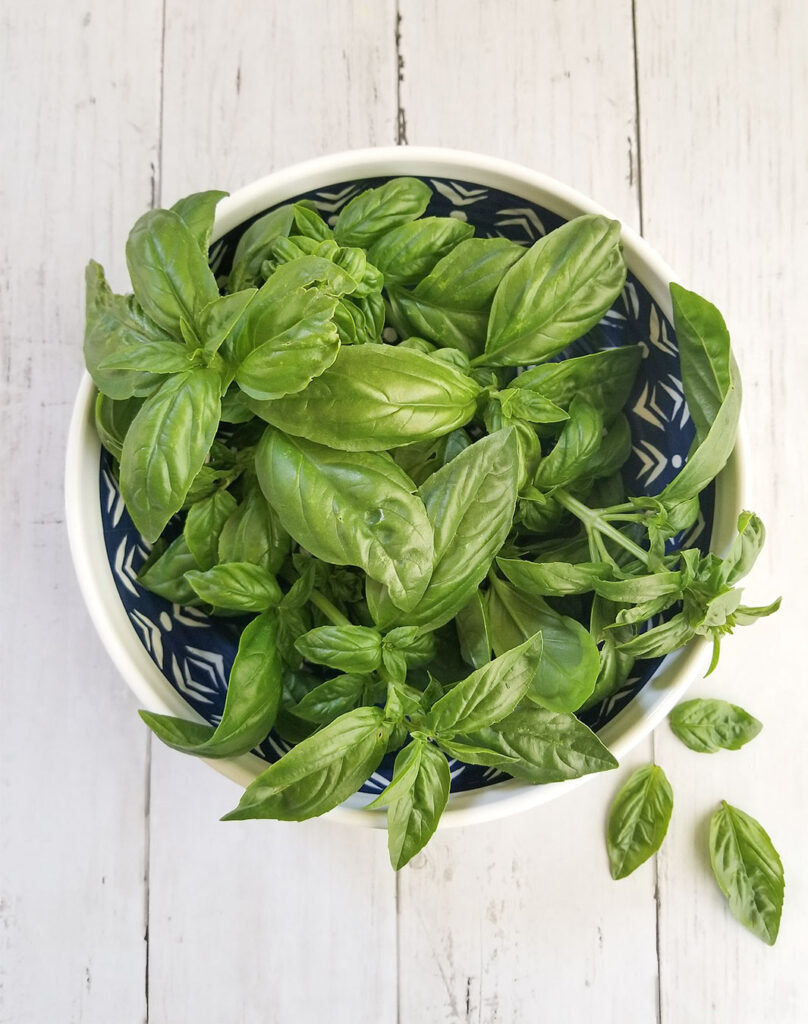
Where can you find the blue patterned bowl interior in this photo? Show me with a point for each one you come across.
(195, 652)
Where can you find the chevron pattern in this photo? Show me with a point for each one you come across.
(195, 653)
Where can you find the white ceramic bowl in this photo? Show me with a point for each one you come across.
(82, 497)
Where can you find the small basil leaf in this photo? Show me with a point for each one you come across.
(165, 447)
(112, 420)
(409, 252)
(309, 223)
(745, 548)
(279, 368)
(463, 329)
(253, 533)
(355, 649)
(640, 588)
(204, 524)
(467, 278)
(165, 575)
(559, 289)
(748, 870)
(745, 615)
(489, 693)
(376, 211)
(220, 317)
(662, 639)
(320, 772)
(553, 579)
(473, 632)
(236, 586)
(711, 725)
(251, 705)
(254, 247)
(331, 699)
(474, 753)
(149, 355)
(198, 212)
(581, 438)
(520, 403)
(638, 819)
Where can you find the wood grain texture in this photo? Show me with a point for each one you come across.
(78, 131)
(725, 194)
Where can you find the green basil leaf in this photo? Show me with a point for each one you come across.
(170, 275)
(409, 252)
(235, 408)
(331, 699)
(473, 753)
(638, 819)
(416, 798)
(553, 579)
(489, 693)
(372, 520)
(748, 870)
(710, 725)
(422, 458)
(251, 705)
(417, 647)
(253, 533)
(559, 289)
(254, 247)
(528, 405)
(112, 420)
(604, 379)
(580, 440)
(218, 319)
(473, 632)
(615, 666)
(204, 524)
(150, 356)
(376, 211)
(745, 615)
(236, 586)
(640, 588)
(463, 329)
(659, 640)
(467, 278)
(360, 321)
(347, 648)
(570, 662)
(376, 397)
(279, 368)
(198, 212)
(116, 323)
(320, 772)
(543, 746)
(165, 447)
(309, 223)
(165, 575)
(745, 549)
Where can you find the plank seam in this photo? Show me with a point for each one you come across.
(401, 114)
(637, 129)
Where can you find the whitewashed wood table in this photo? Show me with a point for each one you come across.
(122, 899)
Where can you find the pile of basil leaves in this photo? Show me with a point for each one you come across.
(432, 536)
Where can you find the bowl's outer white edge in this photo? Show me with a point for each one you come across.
(82, 494)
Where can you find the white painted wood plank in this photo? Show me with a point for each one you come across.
(266, 921)
(78, 132)
(724, 159)
(520, 920)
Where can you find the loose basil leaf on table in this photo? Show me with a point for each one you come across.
(748, 870)
(371, 214)
(320, 772)
(374, 521)
(236, 586)
(638, 819)
(710, 725)
(251, 704)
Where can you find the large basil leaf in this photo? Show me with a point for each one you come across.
(254, 247)
(748, 870)
(470, 503)
(275, 368)
(376, 211)
(468, 277)
(604, 379)
(376, 397)
(170, 275)
(331, 699)
(349, 510)
(198, 211)
(489, 694)
(556, 292)
(570, 662)
(236, 586)
(347, 648)
(166, 445)
(409, 252)
(543, 746)
(711, 725)
(251, 705)
(204, 524)
(320, 772)
(638, 819)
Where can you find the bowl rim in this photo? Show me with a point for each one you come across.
(83, 501)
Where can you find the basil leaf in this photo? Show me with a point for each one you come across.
(254, 247)
(489, 693)
(638, 819)
(529, 405)
(369, 516)
(745, 548)
(553, 579)
(359, 321)
(204, 524)
(462, 329)
(347, 648)
(409, 252)
(237, 586)
(198, 212)
(251, 705)
(748, 870)
(660, 640)
(170, 275)
(746, 615)
(374, 398)
(416, 797)
(320, 772)
(165, 447)
(604, 379)
(640, 588)
(559, 289)
(165, 575)
(711, 725)
(473, 753)
(468, 277)
(543, 746)
(473, 632)
(570, 662)
(253, 533)
(217, 320)
(276, 368)
(112, 420)
(331, 699)
(115, 323)
(309, 223)
(581, 438)
(148, 355)
(376, 211)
